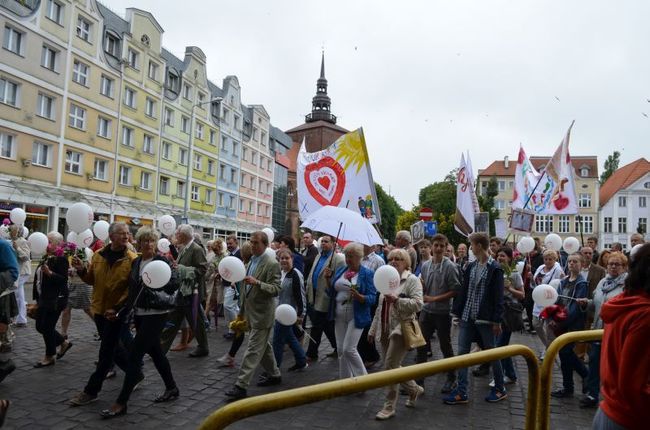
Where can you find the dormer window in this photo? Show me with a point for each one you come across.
(112, 45)
(584, 172)
(173, 82)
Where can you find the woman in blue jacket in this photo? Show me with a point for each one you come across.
(352, 292)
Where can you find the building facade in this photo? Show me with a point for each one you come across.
(624, 206)
(583, 224)
(280, 144)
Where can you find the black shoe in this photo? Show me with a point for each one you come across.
(271, 380)
(297, 367)
(482, 370)
(107, 414)
(588, 402)
(562, 393)
(168, 395)
(6, 367)
(236, 393)
(199, 352)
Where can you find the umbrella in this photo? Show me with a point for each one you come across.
(344, 224)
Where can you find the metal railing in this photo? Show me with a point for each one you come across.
(314, 393)
(544, 410)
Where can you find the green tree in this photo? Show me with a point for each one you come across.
(611, 164)
(486, 202)
(441, 197)
(390, 211)
(406, 219)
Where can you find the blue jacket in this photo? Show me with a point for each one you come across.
(576, 318)
(491, 307)
(366, 287)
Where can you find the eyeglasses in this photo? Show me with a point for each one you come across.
(614, 264)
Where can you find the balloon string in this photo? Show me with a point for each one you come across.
(306, 334)
(567, 297)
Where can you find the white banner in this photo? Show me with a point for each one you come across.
(466, 202)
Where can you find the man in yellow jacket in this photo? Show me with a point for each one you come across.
(108, 273)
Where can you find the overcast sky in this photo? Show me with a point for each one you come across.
(429, 79)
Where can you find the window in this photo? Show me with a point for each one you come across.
(502, 185)
(130, 98)
(150, 107)
(243, 180)
(9, 92)
(270, 164)
(231, 202)
(268, 188)
(268, 211)
(642, 201)
(213, 137)
(198, 162)
(49, 57)
(104, 127)
(77, 117)
(255, 134)
(584, 200)
(622, 201)
(14, 40)
(201, 98)
(222, 172)
(252, 182)
(563, 224)
(187, 91)
(125, 175)
(643, 224)
(622, 225)
(254, 158)
(199, 131)
(45, 106)
(250, 207)
(80, 73)
(164, 186)
(147, 144)
(100, 169)
(211, 165)
(73, 162)
(241, 206)
(7, 145)
(112, 45)
(145, 180)
(169, 117)
(127, 136)
(226, 116)
(235, 147)
(224, 143)
(182, 156)
(172, 82)
(500, 204)
(208, 196)
(180, 189)
(195, 193)
(83, 28)
(132, 58)
(220, 199)
(41, 154)
(236, 122)
(233, 176)
(244, 154)
(54, 11)
(106, 86)
(263, 139)
(607, 224)
(166, 150)
(185, 124)
(584, 172)
(153, 71)
(587, 224)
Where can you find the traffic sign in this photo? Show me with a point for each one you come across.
(426, 214)
(430, 228)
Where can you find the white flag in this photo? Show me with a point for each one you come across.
(466, 201)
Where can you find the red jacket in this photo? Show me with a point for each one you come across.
(625, 360)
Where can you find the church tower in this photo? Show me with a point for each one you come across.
(321, 103)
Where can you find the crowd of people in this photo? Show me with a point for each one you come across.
(483, 287)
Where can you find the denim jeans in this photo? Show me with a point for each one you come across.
(593, 378)
(283, 335)
(467, 332)
(506, 363)
(569, 362)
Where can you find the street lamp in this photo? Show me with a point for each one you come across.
(188, 176)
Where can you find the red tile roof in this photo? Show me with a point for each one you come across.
(498, 167)
(623, 178)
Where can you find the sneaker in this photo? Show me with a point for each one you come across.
(82, 399)
(297, 367)
(449, 386)
(562, 393)
(226, 361)
(455, 398)
(496, 396)
(385, 414)
(589, 402)
(413, 397)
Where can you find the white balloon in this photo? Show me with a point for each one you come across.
(163, 245)
(156, 274)
(553, 242)
(71, 238)
(232, 269)
(555, 283)
(18, 216)
(526, 244)
(387, 280)
(167, 225)
(79, 217)
(571, 245)
(38, 243)
(544, 295)
(84, 239)
(635, 249)
(89, 254)
(286, 315)
(25, 232)
(520, 267)
(269, 233)
(101, 229)
(270, 252)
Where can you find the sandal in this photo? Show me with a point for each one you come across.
(60, 354)
(4, 407)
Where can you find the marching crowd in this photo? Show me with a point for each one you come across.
(483, 287)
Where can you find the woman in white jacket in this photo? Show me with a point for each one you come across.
(386, 327)
(544, 274)
(21, 247)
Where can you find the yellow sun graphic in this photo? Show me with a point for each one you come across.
(352, 151)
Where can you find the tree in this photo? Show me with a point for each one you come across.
(390, 211)
(611, 164)
(441, 197)
(407, 218)
(486, 202)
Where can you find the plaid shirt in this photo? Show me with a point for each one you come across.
(476, 291)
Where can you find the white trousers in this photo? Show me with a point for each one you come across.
(20, 298)
(347, 338)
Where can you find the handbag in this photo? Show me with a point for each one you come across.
(412, 334)
(32, 310)
(513, 316)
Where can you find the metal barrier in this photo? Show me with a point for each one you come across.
(544, 410)
(300, 396)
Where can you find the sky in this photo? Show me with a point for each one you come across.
(428, 80)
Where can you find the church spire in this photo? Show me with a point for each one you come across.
(320, 103)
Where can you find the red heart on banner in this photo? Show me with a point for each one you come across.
(325, 180)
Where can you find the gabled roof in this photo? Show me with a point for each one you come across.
(623, 178)
(172, 60)
(497, 168)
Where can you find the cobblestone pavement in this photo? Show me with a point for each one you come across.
(39, 396)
